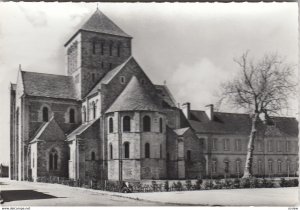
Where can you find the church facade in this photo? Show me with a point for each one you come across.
(105, 120)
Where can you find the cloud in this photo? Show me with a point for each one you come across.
(196, 82)
(36, 18)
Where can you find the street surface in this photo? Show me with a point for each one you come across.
(17, 193)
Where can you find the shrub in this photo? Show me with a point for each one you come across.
(208, 185)
(177, 186)
(267, 183)
(188, 184)
(154, 186)
(228, 184)
(245, 183)
(198, 184)
(254, 183)
(283, 182)
(217, 185)
(166, 185)
(294, 183)
(236, 183)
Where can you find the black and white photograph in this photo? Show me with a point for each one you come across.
(149, 104)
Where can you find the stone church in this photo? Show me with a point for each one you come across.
(105, 120)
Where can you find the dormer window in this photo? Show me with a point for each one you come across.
(142, 81)
(122, 79)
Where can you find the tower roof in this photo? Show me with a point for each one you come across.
(99, 22)
(134, 98)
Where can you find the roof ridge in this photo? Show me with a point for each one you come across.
(45, 73)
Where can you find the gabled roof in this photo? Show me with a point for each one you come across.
(109, 76)
(134, 97)
(48, 85)
(181, 131)
(81, 129)
(164, 93)
(240, 124)
(49, 131)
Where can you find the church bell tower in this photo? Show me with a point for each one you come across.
(95, 49)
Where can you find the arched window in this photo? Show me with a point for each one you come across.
(84, 113)
(160, 125)
(110, 125)
(110, 48)
(111, 151)
(94, 110)
(94, 47)
(126, 150)
(53, 159)
(93, 156)
(72, 116)
(45, 114)
(126, 123)
(147, 150)
(188, 155)
(119, 50)
(146, 123)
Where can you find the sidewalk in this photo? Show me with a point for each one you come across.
(233, 197)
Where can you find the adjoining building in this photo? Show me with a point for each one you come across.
(224, 139)
(105, 120)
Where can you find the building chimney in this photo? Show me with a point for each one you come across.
(186, 109)
(209, 111)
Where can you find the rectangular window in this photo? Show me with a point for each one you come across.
(288, 146)
(270, 166)
(270, 146)
(214, 144)
(260, 146)
(226, 144)
(238, 167)
(226, 167)
(237, 145)
(279, 146)
(279, 166)
(214, 166)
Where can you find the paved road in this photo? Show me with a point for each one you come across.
(17, 193)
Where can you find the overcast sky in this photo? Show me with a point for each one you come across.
(191, 46)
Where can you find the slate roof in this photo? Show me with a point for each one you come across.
(108, 76)
(99, 22)
(49, 131)
(134, 97)
(48, 85)
(240, 124)
(79, 130)
(164, 93)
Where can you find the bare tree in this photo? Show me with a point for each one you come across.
(261, 88)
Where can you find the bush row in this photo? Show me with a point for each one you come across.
(116, 186)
